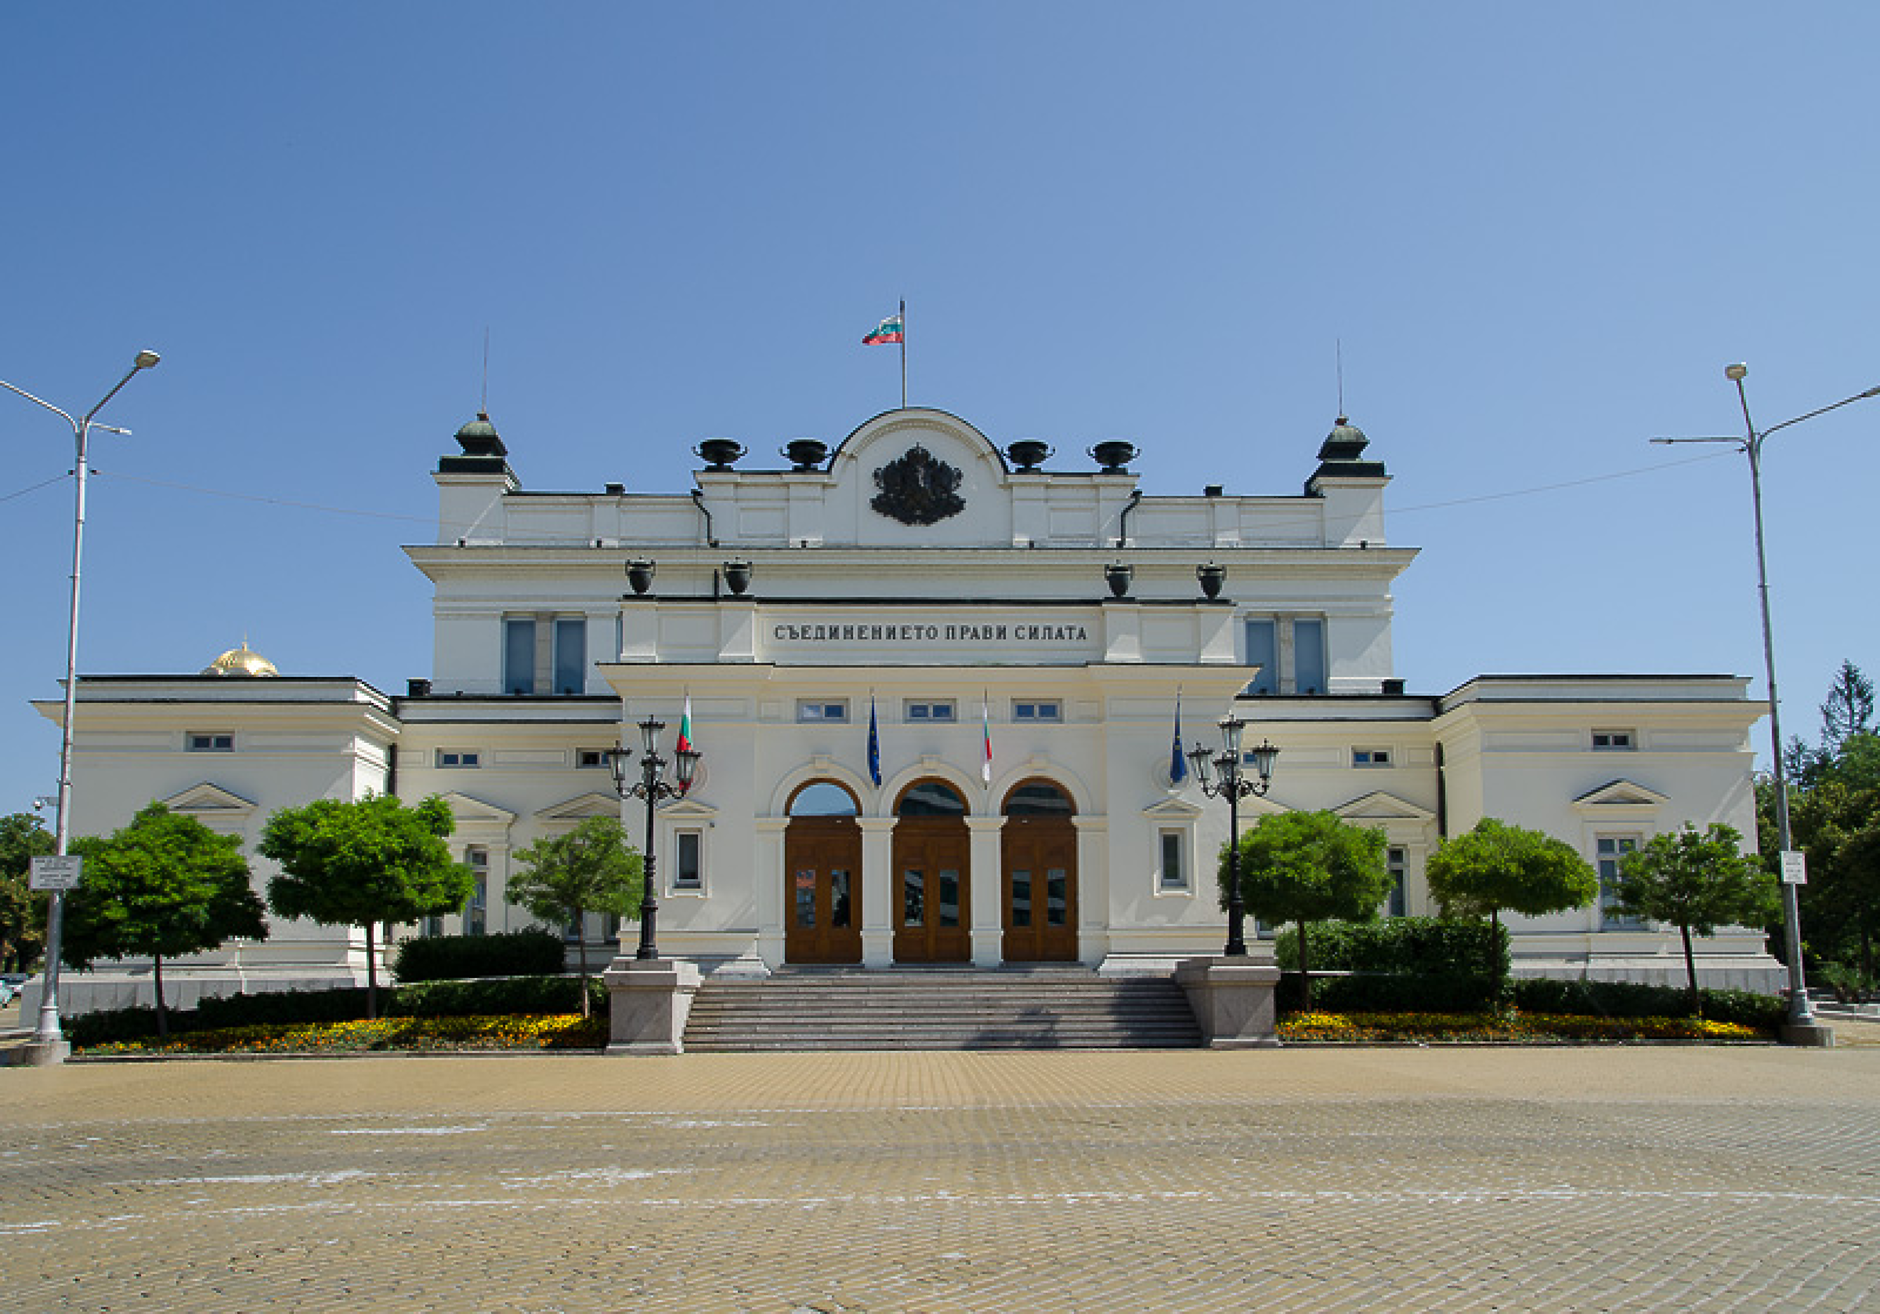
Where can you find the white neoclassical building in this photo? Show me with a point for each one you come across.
(1020, 641)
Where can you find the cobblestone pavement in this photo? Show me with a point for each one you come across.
(1626, 1178)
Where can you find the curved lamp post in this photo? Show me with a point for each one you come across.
(48, 1042)
(1801, 1013)
(651, 786)
(1234, 785)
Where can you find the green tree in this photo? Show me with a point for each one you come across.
(1309, 866)
(1498, 868)
(362, 863)
(163, 886)
(562, 878)
(1848, 709)
(22, 912)
(1697, 882)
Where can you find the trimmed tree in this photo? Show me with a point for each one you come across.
(362, 863)
(22, 912)
(563, 878)
(1307, 867)
(1697, 882)
(164, 886)
(1497, 867)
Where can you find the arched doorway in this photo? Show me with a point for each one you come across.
(822, 872)
(1038, 846)
(933, 914)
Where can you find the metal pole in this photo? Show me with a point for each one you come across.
(1801, 1012)
(649, 904)
(1236, 908)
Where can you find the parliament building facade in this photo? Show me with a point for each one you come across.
(936, 685)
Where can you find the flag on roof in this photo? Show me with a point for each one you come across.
(889, 330)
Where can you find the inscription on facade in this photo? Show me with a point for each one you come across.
(955, 632)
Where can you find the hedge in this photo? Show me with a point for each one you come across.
(1431, 946)
(533, 952)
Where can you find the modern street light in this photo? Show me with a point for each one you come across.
(651, 786)
(1801, 1013)
(1234, 785)
(48, 1042)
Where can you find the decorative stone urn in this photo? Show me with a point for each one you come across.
(737, 577)
(805, 453)
(719, 453)
(1028, 453)
(640, 574)
(1211, 577)
(1114, 456)
(1119, 575)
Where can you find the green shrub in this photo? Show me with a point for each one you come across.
(1392, 992)
(507, 995)
(1435, 946)
(533, 952)
(1635, 999)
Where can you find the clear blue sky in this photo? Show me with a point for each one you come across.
(1539, 231)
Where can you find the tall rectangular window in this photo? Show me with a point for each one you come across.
(1395, 863)
(476, 912)
(1610, 851)
(571, 655)
(519, 655)
(1308, 656)
(1174, 875)
(1263, 651)
(687, 872)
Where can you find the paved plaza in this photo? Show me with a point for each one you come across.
(1575, 1179)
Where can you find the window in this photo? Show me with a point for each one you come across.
(1290, 652)
(1613, 740)
(1038, 709)
(476, 912)
(687, 871)
(459, 757)
(1174, 873)
(570, 655)
(1610, 851)
(816, 709)
(1370, 757)
(590, 758)
(931, 711)
(209, 743)
(519, 656)
(1394, 863)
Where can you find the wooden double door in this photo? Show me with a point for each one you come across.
(1039, 889)
(933, 916)
(822, 860)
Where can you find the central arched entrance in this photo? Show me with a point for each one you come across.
(933, 913)
(1038, 848)
(822, 868)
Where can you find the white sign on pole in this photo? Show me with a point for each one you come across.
(56, 873)
(1794, 867)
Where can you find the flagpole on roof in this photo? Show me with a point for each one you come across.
(903, 353)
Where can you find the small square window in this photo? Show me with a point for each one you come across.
(459, 757)
(816, 709)
(1370, 757)
(1614, 740)
(932, 711)
(211, 743)
(1047, 709)
(590, 758)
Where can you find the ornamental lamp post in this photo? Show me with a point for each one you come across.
(48, 1044)
(1801, 1013)
(651, 786)
(1234, 785)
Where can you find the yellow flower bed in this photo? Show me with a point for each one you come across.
(1511, 1027)
(548, 1031)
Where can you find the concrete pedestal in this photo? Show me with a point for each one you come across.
(1233, 1001)
(1811, 1034)
(648, 1001)
(37, 1054)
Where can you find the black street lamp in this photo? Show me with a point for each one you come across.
(651, 786)
(1234, 785)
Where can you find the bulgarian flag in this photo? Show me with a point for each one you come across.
(985, 728)
(889, 330)
(685, 727)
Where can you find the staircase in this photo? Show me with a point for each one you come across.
(941, 1008)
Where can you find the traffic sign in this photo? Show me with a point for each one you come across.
(56, 873)
(1794, 867)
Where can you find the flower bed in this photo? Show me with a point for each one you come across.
(1512, 1027)
(442, 1034)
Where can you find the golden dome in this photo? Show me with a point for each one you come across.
(240, 661)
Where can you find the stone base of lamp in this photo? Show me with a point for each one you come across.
(1233, 1001)
(37, 1054)
(1808, 1033)
(649, 1000)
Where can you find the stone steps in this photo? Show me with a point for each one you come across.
(941, 1009)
